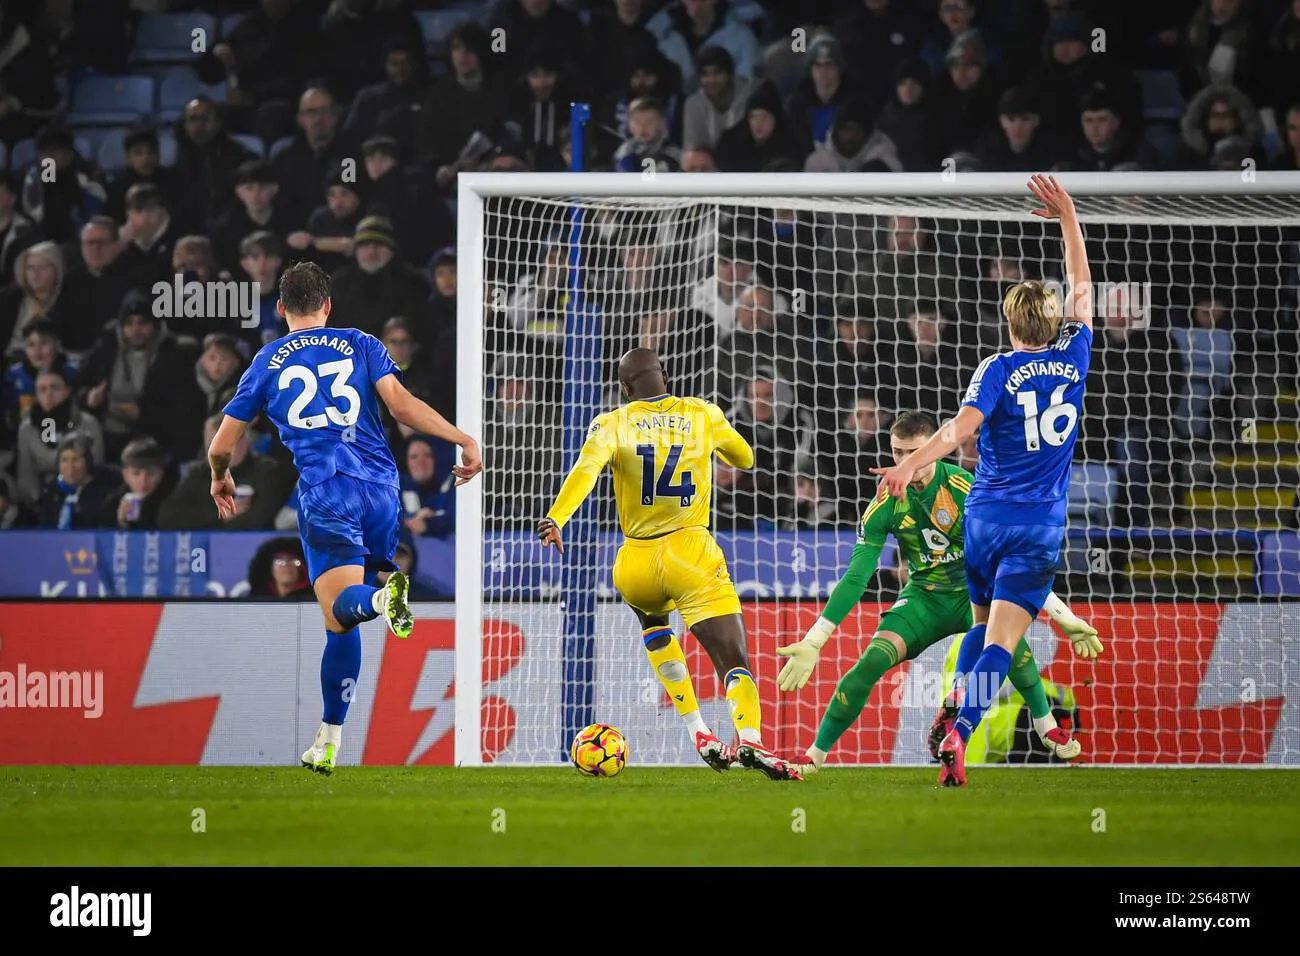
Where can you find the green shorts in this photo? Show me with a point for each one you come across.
(922, 618)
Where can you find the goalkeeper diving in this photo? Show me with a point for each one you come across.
(933, 604)
(660, 448)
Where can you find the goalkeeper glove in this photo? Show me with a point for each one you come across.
(1082, 635)
(803, 655)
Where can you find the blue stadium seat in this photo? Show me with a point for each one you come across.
(166, 147)
(112, 150)
(1092, 492)
(169, 37)
(178, 89)
(112, 101)
(1162, 98)
(437, 24)
(229, 22)
(253, 143)
(279, 146)
(88, 141)
(478, 10)
(24, 154)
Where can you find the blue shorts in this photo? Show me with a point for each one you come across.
(345, 520)
(1011, 562)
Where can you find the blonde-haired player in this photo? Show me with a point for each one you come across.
(660, 448)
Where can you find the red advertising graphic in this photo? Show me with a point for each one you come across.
(1177, 684)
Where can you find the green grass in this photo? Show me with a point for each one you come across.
(141, 816)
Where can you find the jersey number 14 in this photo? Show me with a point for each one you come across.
(340, 372)
(661, 486)
(1042, 428)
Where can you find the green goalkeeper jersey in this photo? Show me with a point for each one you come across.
(928, 528)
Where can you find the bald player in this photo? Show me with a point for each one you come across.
(660, 448)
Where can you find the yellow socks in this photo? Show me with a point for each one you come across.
(669, 663)
(746, 711)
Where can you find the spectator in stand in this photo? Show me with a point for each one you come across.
(327, 240)
(260, 206)
(146, 484)
(278, 571)
(1020, 144)
(699, 160)
(357, 35)
(648, 146)
(910, 119)
(29, 97)
(1224, 46)
(471, 99)
(143, 166)
(261, 488)
(318, 147)
(17, 231)
(428, 488)
(261, 260)
(539, 109)
(534, 24)
(957, 18)
(391, 107)
(52, 418)
(824, 88)
(1283, 63)
(204, 385)
(400, 194)
(149, 237)
(719, 102)
(133, 372)
(1289, 157)
(1107, 145)
(645, 73)
(99, 282)
(75, 495)
(966, 95)
(853, 146)
(618, 38)
(684, 27)
(61, 196)
(761, 140)
(877, 36)
(526, 433)
(933, 369)
(765, 414)
(207, 157)
(860, 443)
(43, 351)
(378, 283)
(416, 363)
(1217, 116)
(38, 293)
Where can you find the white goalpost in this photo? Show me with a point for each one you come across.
(815, 309)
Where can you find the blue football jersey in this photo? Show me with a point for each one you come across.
(318, 387)
(1032, 403)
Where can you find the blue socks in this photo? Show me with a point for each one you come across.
(355, 605)
(982, 687)
(340, 666)
(972, 645)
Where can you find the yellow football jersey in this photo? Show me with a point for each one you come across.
(661, 453)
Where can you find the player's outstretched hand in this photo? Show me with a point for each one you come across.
(803, 661)
(895, 479)
(223, 493)
(1083, 637)
(470, 464)
(550, 534)
(1056, 201)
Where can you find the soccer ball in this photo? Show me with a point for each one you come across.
(599, 751)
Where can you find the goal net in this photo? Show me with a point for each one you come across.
(815, 310)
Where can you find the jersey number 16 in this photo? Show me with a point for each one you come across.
(339, 388)
(1045, 425)
(662, 487)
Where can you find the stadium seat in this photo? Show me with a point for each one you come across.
(166, 147)
(112, 150)
(1162, 97)
(437, 24)
(169, 37)
(112, 101)
(1092, 491)
(279, 146)
(229, 22)
(252, 143)
(1165, 139)
(478, 11)
(24, 154)
(88, 142)
(178, 89)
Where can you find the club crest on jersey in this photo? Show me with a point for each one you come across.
(944, 512)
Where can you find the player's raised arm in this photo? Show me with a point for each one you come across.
(413, 413)
(1057, 204)
(219, 454)
(596, 452)
(847, 593)
(950, 436)
(729, 443)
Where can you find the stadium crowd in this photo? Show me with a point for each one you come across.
(335, 131)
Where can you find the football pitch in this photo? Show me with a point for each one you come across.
(204, 816)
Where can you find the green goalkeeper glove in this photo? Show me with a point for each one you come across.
(803, 655)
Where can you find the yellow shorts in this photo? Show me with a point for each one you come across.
(684, 570)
